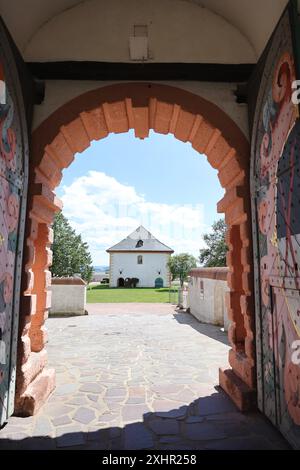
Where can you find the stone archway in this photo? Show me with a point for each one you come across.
(116, 109)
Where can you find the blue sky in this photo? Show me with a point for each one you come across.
(121, 182)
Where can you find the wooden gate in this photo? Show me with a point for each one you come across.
(13, 190)
(275, 193)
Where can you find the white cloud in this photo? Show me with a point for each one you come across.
(105, 211)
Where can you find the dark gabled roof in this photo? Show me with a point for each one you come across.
(140, 240)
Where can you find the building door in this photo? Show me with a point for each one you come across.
(13, 190)
(275, 194)
(159, 283)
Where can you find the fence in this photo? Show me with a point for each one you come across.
(179, 295)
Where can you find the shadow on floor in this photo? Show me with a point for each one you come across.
(208, 423)
(183, 317)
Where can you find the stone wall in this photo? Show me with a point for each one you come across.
(68, 296)
(207, 291)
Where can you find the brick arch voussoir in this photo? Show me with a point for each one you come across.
(121, 116)
(140, 107)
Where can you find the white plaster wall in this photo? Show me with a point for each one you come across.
(146, 272)
(58, 93)
(178, 32)
(211, 308)
(68, 299)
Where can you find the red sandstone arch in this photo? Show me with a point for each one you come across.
(70, 129)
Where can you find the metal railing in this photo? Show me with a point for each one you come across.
(178, 295)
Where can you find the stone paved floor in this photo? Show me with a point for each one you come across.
(138, 376)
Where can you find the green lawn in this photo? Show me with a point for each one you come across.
(104, 294)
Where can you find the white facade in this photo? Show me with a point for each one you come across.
(140, 255)
(147, 272)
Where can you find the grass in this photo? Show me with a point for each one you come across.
(104, 294)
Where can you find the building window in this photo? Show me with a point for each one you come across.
(139, 244)
(139, 259)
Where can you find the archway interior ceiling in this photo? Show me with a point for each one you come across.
(252, 21)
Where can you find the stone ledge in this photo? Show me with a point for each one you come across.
(68, 281)
(243, 396)
(67, 314)
(37, 393)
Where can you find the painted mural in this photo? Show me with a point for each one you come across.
(277, 200)
(9, 215)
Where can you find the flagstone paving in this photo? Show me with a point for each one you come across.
(136, 376)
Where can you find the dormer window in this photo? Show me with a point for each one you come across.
(139, 259)
(139, 244)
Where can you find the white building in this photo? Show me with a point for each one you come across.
(139, 256)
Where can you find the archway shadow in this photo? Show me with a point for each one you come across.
(183, 317)
(209, 423)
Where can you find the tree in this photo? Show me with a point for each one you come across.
(215, 253)
(180, 266)
(70, 254)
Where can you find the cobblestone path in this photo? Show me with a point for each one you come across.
(138, 376)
